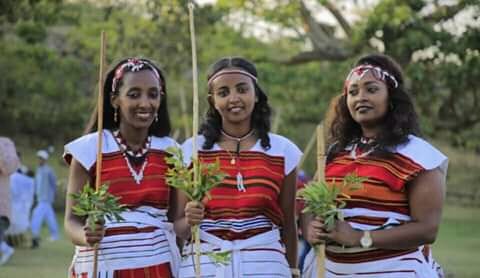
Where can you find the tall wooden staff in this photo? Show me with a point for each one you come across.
(195, 232)
(320, 177)
(100, 134)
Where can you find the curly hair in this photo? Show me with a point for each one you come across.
(158, 128)
(260, 120)
(399, 122)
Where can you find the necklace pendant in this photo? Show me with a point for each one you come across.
(240, 185)
(138, 179)
(232, 161)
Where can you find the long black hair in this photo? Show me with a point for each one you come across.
(400, 120)
(260, 120)
(158, 128)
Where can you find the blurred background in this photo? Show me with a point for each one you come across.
(302, 48)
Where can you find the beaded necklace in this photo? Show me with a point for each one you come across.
(137, 157)
(364, 143)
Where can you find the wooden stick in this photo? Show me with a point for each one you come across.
(196, 165)
(320, 177)
(195, 80)
(100, 135)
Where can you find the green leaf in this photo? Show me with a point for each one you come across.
(325, 199)
(97, 205)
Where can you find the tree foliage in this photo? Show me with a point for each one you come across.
(441, 63)
(50, 58)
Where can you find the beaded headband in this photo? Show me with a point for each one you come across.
(132, 65)
(230, 71)
(377, 72)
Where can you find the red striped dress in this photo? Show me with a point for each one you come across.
(245, 222)
(382, 203)
(144, 244)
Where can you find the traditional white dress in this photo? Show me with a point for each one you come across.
(145, 239)
(243, 215)
(382, 203)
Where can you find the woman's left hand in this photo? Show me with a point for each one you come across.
(343, 234)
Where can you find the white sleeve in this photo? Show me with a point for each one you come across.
(83, 150)
(187, 148)
(292, 156)
(424, 154)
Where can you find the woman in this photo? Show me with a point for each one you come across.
(252, 212)
(133, 165)
(389, 222)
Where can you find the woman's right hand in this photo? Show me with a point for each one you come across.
(315, 231)
(95, 235)
(194, 212)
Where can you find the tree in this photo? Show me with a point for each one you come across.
(403, 29)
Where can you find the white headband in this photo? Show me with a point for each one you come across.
(230, 71)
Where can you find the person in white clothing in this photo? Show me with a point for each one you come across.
(22, 194)
(45, 189)
(392, 220)
(251, 214)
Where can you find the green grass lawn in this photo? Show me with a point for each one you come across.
(51, 260)
(457, 249)
(458, 244)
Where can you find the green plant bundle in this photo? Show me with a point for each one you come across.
(181, 176)
(326, 199)
(97, 205)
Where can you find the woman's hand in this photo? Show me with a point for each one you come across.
(95, 235)
(343, 234)
(194, 212)
(315, 231)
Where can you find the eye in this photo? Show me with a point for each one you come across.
(222, 92)
(372, 89)
(353, 92)
(153, 93)
(242, 89)
(133, 93)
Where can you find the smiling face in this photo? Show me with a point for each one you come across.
(233, 96)
(138, 99)
(367, 99)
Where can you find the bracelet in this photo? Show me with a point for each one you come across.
(295, 272)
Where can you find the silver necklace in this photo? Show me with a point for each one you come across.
(138, 177)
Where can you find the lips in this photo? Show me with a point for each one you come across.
(143, 115)
(362, 108)
(235, 109)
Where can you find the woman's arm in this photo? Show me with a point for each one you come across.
(75, 225)
(289, 231)
(426, 194)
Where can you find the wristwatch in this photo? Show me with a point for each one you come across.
(366, 240)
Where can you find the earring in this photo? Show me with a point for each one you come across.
(391, 106)
(115, 115)
(156, 117)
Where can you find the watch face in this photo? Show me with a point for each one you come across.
(366, 240)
